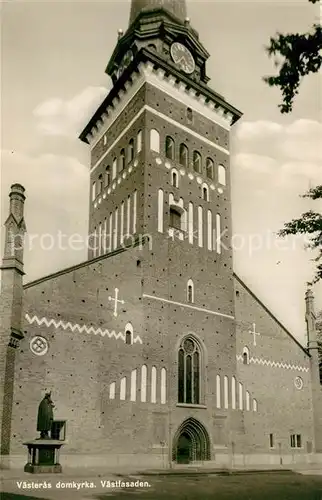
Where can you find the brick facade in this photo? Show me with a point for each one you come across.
(114, 368)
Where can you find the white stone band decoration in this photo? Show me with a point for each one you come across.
(38, 346)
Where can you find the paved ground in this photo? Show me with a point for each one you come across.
(252, 486)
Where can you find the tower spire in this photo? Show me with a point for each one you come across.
(176, 7)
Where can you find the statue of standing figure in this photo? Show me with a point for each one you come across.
(45, 416)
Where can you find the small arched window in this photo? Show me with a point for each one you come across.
(222, 175)
(254, 405)
(129, 334)
(100, 184)
(189, 372)
(189, 115)
(197, 161)
(139, 141)
(114, 168)
(122, 160)
(190, 292)
(246, 356)
(169, 148)
(183, 155)
(174, 178)
(205, 193)
(107, 176)
(209, 168)
(151, 46)
(93, 191)
(155, 140)
(130, 152)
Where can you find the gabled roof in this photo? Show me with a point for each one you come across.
(241, 282)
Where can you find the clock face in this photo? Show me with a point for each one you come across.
(183, 57)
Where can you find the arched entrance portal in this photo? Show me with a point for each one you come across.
(191, 443)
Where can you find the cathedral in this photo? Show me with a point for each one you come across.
(155, 352)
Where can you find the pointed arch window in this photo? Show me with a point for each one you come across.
(189, 372)
(222, 175)
(130, 151)
(169, 148)
(190, 292)
(93, 191)
(246, 356)
(209, 168)
(197, 161)
(183, 155)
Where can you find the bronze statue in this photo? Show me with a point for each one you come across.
(45, 416)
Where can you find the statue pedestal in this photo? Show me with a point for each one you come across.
(43, 456)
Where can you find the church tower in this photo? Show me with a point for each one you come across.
(160, 173)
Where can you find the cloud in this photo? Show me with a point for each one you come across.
(67, 117)
(290, 155)
(57, 188)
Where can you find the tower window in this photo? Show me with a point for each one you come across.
(151, 46)
(114, 168)
(169, 148)
(190, 292)
(130, 155)
(189, 115)
(129, 334)
(197, 162)
(155, 140)
(175, 218)
(209, 168)
(271, 440)
(139, 142)
(122, 160)
(104, 140)
(222, 175)
(174, 178)
(107, 176)
(205, 193)
(183, 155)
(246, 356)
(128, 338)
(189, 372)
(93, 191)
(100, 184)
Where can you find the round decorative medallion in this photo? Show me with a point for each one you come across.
(158, 161)
(298, 382)
(39, 346)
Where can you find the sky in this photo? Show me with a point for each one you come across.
(53, 58)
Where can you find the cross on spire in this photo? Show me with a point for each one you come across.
(254, 333)
(116, 301)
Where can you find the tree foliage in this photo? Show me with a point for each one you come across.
(296, 55)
